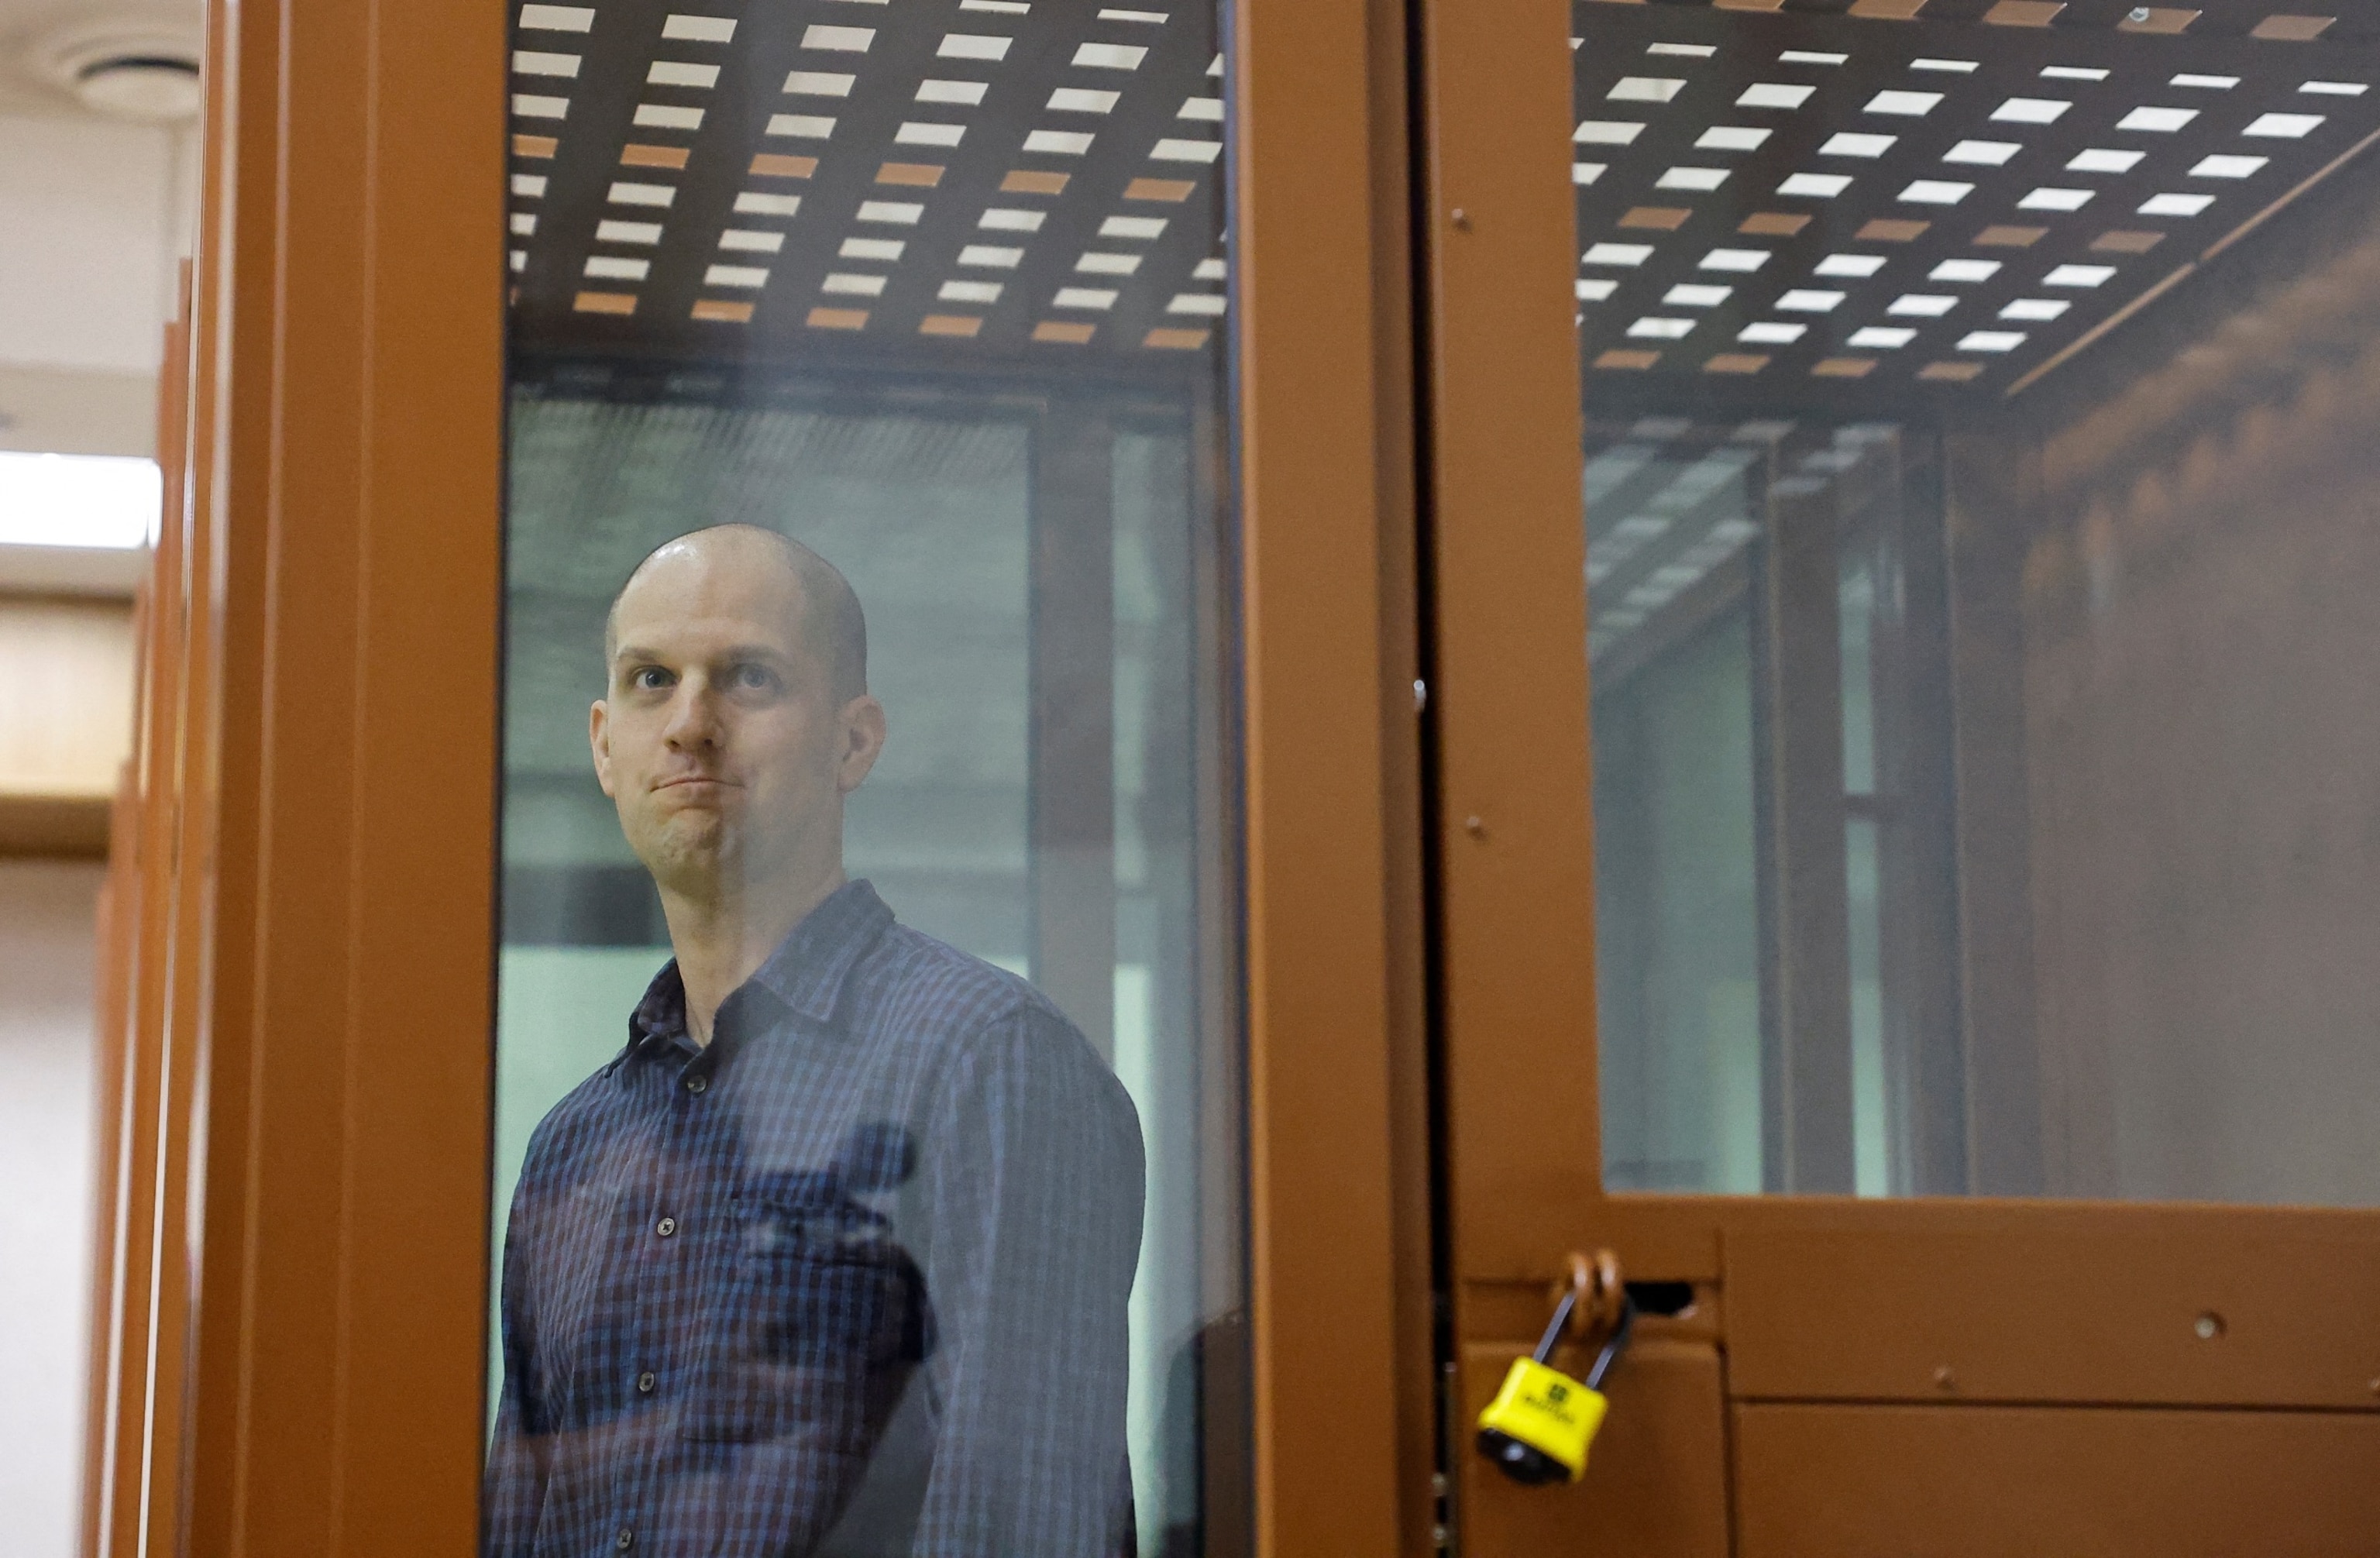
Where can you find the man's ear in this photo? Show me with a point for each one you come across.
(599, 740)
(863, 740)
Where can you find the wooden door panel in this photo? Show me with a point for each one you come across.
(1656, 1484)
(1955, 1481)
(2100, 1306)
(1914, 1370)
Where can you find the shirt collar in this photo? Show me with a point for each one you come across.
(659, 1020)
(806, 972)
(809, 967)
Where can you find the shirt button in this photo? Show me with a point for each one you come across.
(625, 1539)
(667, 1226)
(645, 1382)
(696, 1084)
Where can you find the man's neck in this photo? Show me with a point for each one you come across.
(721, 942)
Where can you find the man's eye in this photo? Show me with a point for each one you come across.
(749, 677)
(649, 678)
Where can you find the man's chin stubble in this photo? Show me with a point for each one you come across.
(690, 854)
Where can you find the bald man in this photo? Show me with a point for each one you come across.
(833, 1257)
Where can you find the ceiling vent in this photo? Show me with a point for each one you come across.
(139, 68)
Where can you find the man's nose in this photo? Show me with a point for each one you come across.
(694, 715)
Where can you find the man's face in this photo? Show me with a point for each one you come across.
(720, 737)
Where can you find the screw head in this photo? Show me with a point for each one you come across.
(2209, 1326)
(1943, 1379)
(1461, 218)
(1475, 825)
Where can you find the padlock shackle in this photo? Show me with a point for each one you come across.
(1616, 1346)
(1552, 1338)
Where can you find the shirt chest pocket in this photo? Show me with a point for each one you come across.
(823, 1313)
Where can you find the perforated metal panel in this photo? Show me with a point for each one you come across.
(980, 179)
(1947, 197)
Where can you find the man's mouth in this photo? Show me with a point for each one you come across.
(685, 781)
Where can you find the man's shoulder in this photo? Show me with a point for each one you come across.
(979, 1021)
(579, 1120)
(924, 978)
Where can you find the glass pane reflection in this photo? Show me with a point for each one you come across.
(1977, 482)
(932, 1243)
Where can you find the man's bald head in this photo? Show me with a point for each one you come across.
(829, 620)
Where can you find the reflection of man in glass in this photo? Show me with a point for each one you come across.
(832, 1258)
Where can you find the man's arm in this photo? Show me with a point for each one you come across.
(513, 1494)
(1034, 1169)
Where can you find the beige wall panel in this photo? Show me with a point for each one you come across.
(65, 696)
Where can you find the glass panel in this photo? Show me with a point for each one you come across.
(1678, 973)
(868, 1111)
(1980, 485)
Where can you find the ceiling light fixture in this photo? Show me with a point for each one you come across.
(104, 501)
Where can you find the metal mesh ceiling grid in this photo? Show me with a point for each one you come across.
(1945, 205)
(986, 176)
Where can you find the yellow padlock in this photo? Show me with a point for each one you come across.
(1542, 1423)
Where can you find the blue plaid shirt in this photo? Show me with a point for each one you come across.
(849, 1280)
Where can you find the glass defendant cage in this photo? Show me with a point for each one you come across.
(489, 305)
(941, 294)
(1932, 963)
(1971, 447)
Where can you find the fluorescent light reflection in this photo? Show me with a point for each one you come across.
(78, 500)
